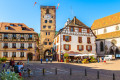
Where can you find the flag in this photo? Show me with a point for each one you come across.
(58, 5)
(35, 3)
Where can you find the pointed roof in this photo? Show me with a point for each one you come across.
(106, 21)
(76, 22)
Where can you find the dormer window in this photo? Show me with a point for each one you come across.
(117, 27)
(19, 25)
(6, 28)
(23, 28)
(71, 29)
(11, 24)
(47, 11)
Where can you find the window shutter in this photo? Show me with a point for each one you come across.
(88, 30)
(69, 47)
(69, 28)
(2, 44)
(64, 47)
(32, 45)
(87, 47)
(24, 54)
(10, 54)
(69, 38)
(63, 37)
(80, 29)
(82, 47)
(2, 54)
(80, 39)
(87, 40)
(77, 47)
(73, 29)
(10, 45)
(26, 45)
(91, 48)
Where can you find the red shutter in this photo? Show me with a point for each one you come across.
(64, 47)
(82, 47)
(77, 47)
(88, 30)
(70, 28)
(73, 29)
(87, 47)
(88, 40)
(69, 47)
(69, 38)
(80, 39)
(91, 48)
(80, 29)
(63, 37)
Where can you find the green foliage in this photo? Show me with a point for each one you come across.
(92, 59)
(3, 59)
(10, 76)
(0, 60)
(66, 55)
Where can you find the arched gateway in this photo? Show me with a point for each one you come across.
(47, 54)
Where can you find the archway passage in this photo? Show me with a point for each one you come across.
(30, 56)
(111, 52)
(47, 54)
(117, 54)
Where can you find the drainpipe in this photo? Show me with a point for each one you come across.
(104, 47)
(60, 46)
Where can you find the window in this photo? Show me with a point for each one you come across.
(66, 47)
(14, 35)
(80, 47)
(80, 30)
(23, 28)
(47, 11)
(30, 35)
(11, 24)
(44, 26)
(66, 38)
(19, 25)
(105, 30)
(48, 33)
(117, 27)
(50, 43)
(49, 27)
(79, 39)
(50, 21)
(101, 46)
(13, 54)
(22, 45)
(94, 32)
(45, 21)
(88, 40)
(13, 45)
(88, 30)
(45, 43)
(5, 54)
(48, 39)
(5, 45)
(21, 54)
(72, 29)
(30, 45)
(22, 36)
(52, 17)
(5, 36)
(89, 48)
(6, 28)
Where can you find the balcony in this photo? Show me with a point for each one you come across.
(29, 38)
(14, 47)
(29, 47)
(5, 46)
(5, 37)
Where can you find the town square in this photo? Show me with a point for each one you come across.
(59, 40)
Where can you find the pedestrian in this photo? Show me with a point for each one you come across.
(46, 60)
(98, 59)
(12, 64)
(41, 60)
(104, 60)
(51, 60)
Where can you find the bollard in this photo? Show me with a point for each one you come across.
(70, 71)
(113, 76)
(56, 71)
(43, 71)
(85, 72)
(97, 74)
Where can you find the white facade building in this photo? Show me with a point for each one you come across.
(107, 30)
(75, 38)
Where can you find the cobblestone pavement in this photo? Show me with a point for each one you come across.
(63, 72)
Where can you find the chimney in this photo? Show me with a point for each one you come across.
(74, 19)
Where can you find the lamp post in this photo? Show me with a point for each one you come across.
(114, 48)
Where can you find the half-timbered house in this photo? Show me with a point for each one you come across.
(74, 38)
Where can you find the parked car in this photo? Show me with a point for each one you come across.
(109, 57)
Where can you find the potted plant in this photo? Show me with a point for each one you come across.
(66, 57)
(4, 59)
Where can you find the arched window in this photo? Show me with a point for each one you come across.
(105, 30)
(117, 27)
(101, 46)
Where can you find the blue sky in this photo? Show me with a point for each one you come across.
(22, 11)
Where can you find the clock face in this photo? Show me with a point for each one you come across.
(47, 17)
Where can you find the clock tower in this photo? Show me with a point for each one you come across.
(47, 32)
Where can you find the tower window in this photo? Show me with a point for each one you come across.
(11, 24)
(46, 33)
(50, 43)
(44, 26)
(23, 28)
(6, 28)
(45, 43)
(49, 27)
(50, 21)
(45, 21)
(47, 11)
